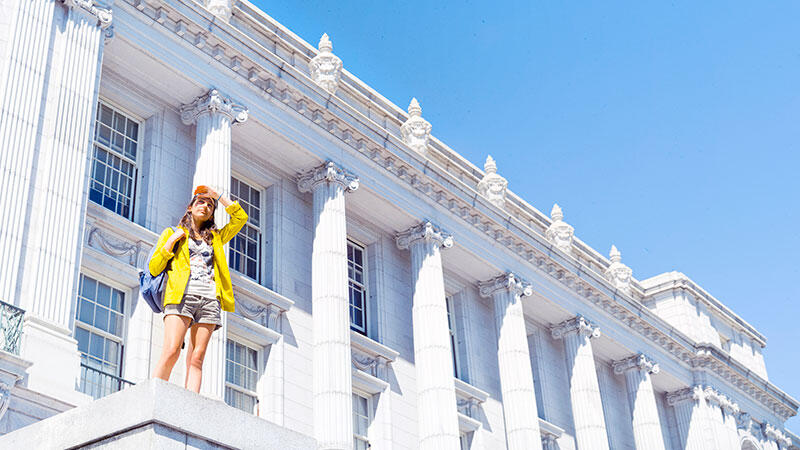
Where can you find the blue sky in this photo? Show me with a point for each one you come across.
(670, 129)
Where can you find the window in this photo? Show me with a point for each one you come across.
(246, 245)
(241, 375)
(99, 322)
(113, 175)
(361, 420)
(357, 287)
(451, 323)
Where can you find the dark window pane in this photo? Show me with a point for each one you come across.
(83, 339)
(103, 294)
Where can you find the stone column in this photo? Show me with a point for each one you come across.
(584, 389)
(333, 384)
(213, 114)
(691, 417)
(514, 361)
(437, 416)
(641, 398)
(51, 73)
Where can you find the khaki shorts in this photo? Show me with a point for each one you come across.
(199, 309)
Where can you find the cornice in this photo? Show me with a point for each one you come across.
(517, 229)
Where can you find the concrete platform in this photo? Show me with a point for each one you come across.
(156, 415)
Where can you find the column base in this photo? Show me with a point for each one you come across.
(53, 352)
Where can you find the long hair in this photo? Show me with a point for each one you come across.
(206, 228)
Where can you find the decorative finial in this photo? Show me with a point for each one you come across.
(414, 109)
(556, 214)
(559, 232)
(326, 68)
(490, 166)
(615, 255)
(416, 131)
(493, 186)
(617, 273)
(325, 44)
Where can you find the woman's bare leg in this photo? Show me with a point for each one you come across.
(174, 330)
(189, 349)
(201, 334)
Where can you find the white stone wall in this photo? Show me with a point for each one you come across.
(268, 151)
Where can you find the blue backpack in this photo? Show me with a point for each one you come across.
(151, 288)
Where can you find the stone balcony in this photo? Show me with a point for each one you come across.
(156, 415)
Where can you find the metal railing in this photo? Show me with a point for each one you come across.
(99, 384)
(10, 327)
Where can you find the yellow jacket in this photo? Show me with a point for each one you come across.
(178, 274)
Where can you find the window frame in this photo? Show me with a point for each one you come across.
(370, 417)
(136, 161)
(127, 308)
(261, 252)
(364, 286)
(259, 372)
(453, 331)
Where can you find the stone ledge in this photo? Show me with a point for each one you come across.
(156, 414)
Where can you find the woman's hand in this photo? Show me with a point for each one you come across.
(173, 238)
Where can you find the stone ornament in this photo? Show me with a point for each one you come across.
(326, 68)
(266, 315)
(694, 393)
(773, 433)
(327, 172)
(425, 231)
(617, 273)
(5, 398)
(636, 362)
(559, 232)
(416, 131)
(104, 16)
(493, 186)
(505, 282)
(213, 102)
(220, 8)
(577, 324)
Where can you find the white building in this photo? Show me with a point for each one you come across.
(447, 310)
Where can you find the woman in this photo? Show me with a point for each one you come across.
(198, 281)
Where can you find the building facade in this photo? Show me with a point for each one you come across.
(389, 293)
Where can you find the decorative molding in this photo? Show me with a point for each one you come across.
(416, 131)
(327, 172)
(693, 393)
(213, 102)
(560, 233)
(577, 275)
(132, 253)
(493, 186)
(425, 231)
(636, 362)
(617, 273)
(577, 324)
(266, 315)
(220, 8)
(774, 433)
(104, 16)
(326, 68)
(371, 357)
(469, 398)
(505, 282)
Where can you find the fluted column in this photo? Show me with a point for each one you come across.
(333, 384)
(514, 362)
(646, 424)
(584, 389)
(51, 74)
(437, 417)
(691, 411)
(214, 114)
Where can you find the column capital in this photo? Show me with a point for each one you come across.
(577, 324)
(213, 102)
(424, 231)
(103, 16)
(692, 393)
(636, 362)
(505, 282)
(327, 172)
